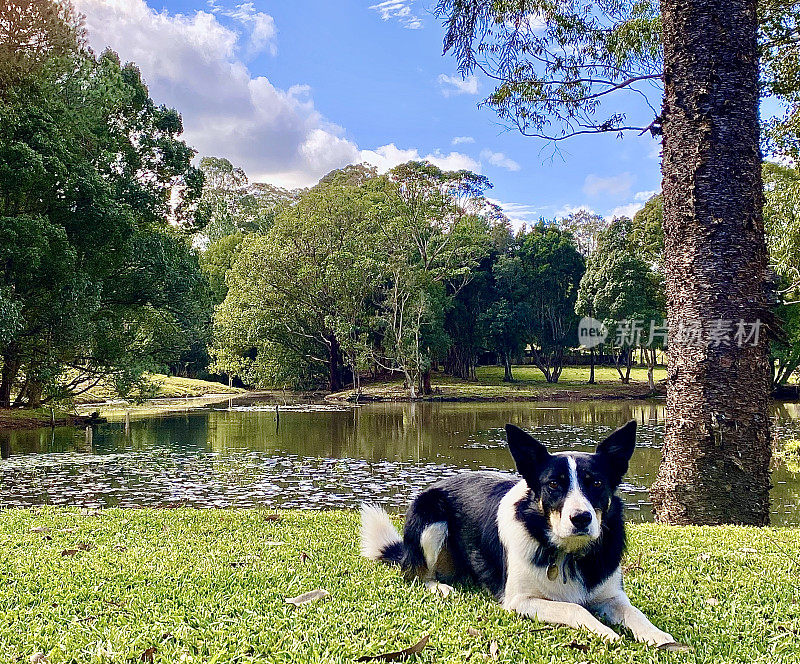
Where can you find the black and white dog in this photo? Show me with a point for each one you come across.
(547, 546)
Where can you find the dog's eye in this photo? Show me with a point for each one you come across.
(553, 484)
(597, 483)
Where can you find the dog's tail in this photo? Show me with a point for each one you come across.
(379, 538)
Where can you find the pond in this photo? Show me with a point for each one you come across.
(240, 453)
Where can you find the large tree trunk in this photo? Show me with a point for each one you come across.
(716, 449)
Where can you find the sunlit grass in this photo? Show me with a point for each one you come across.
(529, 383)
(210, 586)
(166, 387)
(571, 376)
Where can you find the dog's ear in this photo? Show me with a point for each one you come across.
(529, 454)
(618, 449)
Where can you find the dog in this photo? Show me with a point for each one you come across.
(547, 546)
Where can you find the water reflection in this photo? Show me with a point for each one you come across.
(323, 457)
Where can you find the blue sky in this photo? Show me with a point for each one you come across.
(291, 89)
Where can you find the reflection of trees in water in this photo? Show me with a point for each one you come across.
(465, 435)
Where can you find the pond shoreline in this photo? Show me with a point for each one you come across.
(635, 394)
(22, 418)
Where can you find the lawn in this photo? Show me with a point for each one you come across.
(210, 586)
(167, 387)
(529, 384)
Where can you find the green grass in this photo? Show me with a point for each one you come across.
(167, 387)
(570, 376)
(529, 384)
(27, 418)
(209, 586)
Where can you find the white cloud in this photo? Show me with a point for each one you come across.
(456, 85)
(193, 62)
(400, 10)
(614, 185)
(568, 209)
(645, 196)
(389, 156)
(530, 23)
(500, 160)
(624, 210)
(263, 33)
(518, 213)
(630, 209)
(459, 140)
(654, 151)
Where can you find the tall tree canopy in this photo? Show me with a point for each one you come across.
(96, 192)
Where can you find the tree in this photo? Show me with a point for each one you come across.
(558, 82)
(585, 228)
(231, 204)
(622, 290)
(478, 301)
(717, 445)
(541, 281)
(96, 192)
(296, 302)
(435, 238)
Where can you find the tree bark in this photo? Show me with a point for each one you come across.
(591, 370)
(715, 466)
(507, 376)
(11, 365)
(335, 382)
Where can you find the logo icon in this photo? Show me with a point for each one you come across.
(591, 332)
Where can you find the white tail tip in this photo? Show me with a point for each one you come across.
(377, 532)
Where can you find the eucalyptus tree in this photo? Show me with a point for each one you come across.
(585, 228)
(561, 68)
(436, 234)
(297, 297)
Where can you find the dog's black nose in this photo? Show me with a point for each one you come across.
(581, 520)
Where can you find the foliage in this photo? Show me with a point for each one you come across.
(96, 195)
(620, 287)
(231, 205)
(647, 232)
(559, 66)
(358, 273)
(539, 282)
(585, 227)
(780, 65)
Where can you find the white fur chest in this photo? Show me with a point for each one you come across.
(523, 578)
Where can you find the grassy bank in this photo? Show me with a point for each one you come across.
(166, 387)
(529, 385)
(33, 418)
(172, 394)
(210, 586)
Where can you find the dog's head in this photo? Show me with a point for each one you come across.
(573, 491)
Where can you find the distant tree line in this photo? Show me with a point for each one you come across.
(118, 257)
